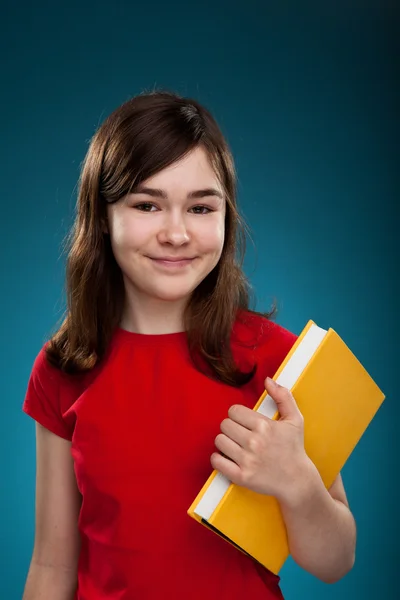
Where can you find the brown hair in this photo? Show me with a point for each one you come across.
(140, 138)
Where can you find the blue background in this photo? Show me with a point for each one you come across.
(309, 103)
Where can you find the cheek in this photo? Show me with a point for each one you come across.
(127, 234)
(212, 237)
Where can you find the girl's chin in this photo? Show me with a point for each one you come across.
(171, 296)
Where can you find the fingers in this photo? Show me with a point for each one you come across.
(246, 417)
(227, 467)
(229, 448)
(235, 432)
(284, 400)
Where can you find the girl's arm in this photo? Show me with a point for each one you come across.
(321, 529)
(53, 570)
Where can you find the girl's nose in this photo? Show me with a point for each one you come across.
(174, 231)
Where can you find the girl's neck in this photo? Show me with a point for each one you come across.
(153, 316)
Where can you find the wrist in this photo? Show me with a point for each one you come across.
(304, 483)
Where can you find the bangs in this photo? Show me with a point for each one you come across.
(147, 140)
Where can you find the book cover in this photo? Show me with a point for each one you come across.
(338, 399)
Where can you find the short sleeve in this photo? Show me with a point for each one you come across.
(42, 399)
(275, 345)
(263, 343)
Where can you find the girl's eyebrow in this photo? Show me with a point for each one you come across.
(157, 193)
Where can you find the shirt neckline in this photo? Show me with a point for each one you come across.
(151, 339)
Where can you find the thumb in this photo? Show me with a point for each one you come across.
(284, 400)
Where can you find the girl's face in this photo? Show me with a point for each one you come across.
(168, 235)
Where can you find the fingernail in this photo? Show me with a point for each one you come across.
(272, 382)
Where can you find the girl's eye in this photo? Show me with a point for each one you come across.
(145, 207)
(201, 210)
(149, 207)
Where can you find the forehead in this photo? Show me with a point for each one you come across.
(192, 169)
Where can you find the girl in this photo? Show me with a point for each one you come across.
(151, 380)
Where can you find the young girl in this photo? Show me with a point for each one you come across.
(151, 379)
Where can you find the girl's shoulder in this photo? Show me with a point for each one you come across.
(261, 341)
(256, 330)
(49, 377)
(51, 392)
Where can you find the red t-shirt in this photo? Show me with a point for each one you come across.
(142, 425)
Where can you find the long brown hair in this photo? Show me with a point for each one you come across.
(140, 138)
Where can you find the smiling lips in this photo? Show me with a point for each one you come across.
(172, 262)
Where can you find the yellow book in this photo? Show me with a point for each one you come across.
(338, 400)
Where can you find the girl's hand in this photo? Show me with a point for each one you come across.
(267, 456)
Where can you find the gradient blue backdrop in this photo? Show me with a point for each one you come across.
(308, 102)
